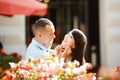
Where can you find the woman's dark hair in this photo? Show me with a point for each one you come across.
(80, 45)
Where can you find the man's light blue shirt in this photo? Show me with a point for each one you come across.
(36, 50)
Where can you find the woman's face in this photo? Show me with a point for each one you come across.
(68, 41)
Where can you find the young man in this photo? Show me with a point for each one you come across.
(43, 40)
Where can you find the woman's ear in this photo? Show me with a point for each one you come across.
(73, 46)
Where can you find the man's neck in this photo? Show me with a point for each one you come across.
(40, 42)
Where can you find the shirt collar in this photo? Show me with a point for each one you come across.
(40, 46)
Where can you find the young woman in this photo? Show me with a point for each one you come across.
(73, 46)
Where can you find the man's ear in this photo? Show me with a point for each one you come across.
(39, 34)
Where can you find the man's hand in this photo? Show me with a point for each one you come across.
(58, 50)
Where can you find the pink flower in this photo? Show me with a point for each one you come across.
(53, 69)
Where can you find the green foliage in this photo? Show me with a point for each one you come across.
(4, 61)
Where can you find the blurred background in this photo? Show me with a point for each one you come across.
(98, 19)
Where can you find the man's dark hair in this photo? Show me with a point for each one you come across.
(42, 22)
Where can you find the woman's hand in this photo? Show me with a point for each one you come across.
(67, 52)
(63, 51)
